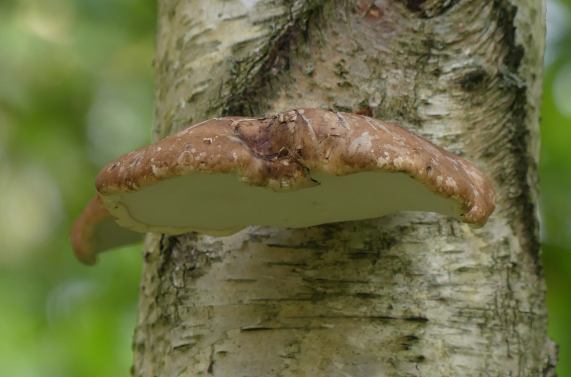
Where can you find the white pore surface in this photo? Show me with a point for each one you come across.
(221, 202)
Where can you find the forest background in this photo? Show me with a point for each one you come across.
(76, 90)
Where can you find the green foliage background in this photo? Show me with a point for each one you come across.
(76, 90)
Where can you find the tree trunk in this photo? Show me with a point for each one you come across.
(408, 294)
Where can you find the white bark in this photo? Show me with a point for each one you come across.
(406, 295)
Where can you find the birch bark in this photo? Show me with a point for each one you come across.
(406, 295)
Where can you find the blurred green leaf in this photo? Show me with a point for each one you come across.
(60, 318)
(70, 66)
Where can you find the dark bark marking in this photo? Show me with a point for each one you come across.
(430, 10)
(518, 135)
(252, 94)
(506, 13)
(473, 79)
(408, 341)
(166, 246)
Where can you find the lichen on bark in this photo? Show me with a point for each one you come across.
(406, 295)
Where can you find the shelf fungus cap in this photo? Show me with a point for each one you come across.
(95, 231)
(295, 169)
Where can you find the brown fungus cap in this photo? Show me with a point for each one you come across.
(295, 169)
(96, 231)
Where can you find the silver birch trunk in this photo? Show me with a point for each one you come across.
(408, 294)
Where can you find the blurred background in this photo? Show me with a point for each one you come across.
(76, 90)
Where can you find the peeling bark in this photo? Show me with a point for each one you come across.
(406, 295)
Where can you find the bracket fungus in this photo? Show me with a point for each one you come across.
(295, 169)
(95, 231)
